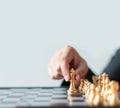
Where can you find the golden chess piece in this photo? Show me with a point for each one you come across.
(72, 90)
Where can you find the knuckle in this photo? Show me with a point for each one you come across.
(57, 68)
(52, 76)
(63, 59)
(55, 75)
(57, 51)
(68, 47)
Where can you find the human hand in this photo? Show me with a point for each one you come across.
(63, 60)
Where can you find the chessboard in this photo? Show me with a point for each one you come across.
(57, 97)
(42, 97)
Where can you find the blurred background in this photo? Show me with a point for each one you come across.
(32, 30)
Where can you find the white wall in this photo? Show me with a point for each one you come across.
(31, 31)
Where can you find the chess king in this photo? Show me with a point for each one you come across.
(72, 90)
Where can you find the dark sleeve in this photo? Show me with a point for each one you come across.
(113, 68)
(89, 77)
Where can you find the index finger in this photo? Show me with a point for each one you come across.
(65, 70)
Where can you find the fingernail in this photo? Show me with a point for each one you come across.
(66, 78)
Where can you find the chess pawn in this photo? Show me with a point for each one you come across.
(88, 90)
(91, 96)
(105, 81)
(94, 78)
(98, 98)
(105, 78)
(81, 85)
(72, 90)
(113, 97)
(106, 92)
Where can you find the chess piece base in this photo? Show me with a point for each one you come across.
(72, 92)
